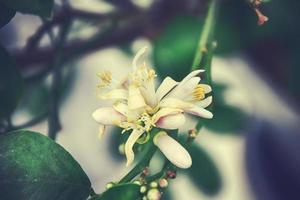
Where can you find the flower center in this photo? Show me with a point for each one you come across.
(199, 92)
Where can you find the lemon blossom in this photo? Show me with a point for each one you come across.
(137, 106)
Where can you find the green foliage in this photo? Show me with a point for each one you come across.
(175, 48)
(204, 172)
(11, 84)
(32, 166)
(42, 8)
(127, 191)
(227, 118)
(6, 14)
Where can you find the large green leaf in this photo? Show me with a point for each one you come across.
(42, 8)
(6, 14)
(11, 84)
(32, 166)
(127, 191)
(204, 172)
(175, 48)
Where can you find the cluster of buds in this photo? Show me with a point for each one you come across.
(261, 17)
(153, 190)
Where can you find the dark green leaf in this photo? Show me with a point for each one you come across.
(6, 14)
(127, 191)
(42, 8)
(32, 166)
(204, 172)
(175, 48)
(227, 119)
(11, 84)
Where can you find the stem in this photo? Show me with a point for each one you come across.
(144, 162)
(53, 121)
(206, 35)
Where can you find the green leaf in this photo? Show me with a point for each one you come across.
(204, 172)
(41, 8)
(127, 191)
(227, 119)
(6, 14)
(11, 84)
(175, 48)
(32, 166)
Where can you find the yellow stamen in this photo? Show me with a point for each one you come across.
(105, 78)
(199, 92)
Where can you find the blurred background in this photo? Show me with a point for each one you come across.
(248, 151)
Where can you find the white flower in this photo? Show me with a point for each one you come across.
(138, 106)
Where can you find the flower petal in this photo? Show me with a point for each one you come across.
(164, 112)
(174, 152)
(138, 57)
(175, 103)
(121, 108)
(165, 87)
(134, 136)
(205, 102)
(207, 88)
(191, 75)
(101, 131)
(171, 121)
(199, 111)
(108, 116)
(115, 94)
(148, 92)
(135, 98)
(184, 90)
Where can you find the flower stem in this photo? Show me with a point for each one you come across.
(144, 162)
(206, 36)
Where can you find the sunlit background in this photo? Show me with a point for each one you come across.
(256, 94)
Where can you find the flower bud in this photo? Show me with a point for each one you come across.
(109, 185)
(153, 194)
(122, 149)
(153, 184)
(137, 182)
(163, 183)
(143, 189)
(171, 174)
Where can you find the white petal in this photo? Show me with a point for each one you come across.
(121, 108)
(174, 103)
(148, 92)
(207, 88)
(171, 121)
(199, 111)
(191, 75)
(135, 98)
(115, 94)
(165, 87)
(101, 131)
(205, 102)
(134, 136)
(174, 152)
(184, 90)
(138, 57)
(107, 116)
(164, 112)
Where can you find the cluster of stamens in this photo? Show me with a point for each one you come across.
(199, 92)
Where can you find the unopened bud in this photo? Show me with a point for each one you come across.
(153, 194)
(137, 182)
(122, 149)
(153, 184)
(193, 133)
(109, 185)
(145, 172)
(171, 174)
(163, 183)
(143, 189)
